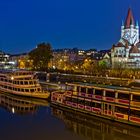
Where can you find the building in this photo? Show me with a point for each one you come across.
(5, 62)
(127, 51)
(64, 59)
(21, 61)
(103, 55)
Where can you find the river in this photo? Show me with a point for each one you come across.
(32, 119)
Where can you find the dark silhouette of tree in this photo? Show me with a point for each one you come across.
(41, 56)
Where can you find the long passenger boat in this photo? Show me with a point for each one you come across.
(111, 102)
(22, 83)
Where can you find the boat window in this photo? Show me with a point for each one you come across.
(88, 103)
(21, 108)
(136, 98)
(26, 108)
(81, 101)
(18, 82)
(18, 89)
(123, 96)
(26, 90)
(78, 88)
(31, 90)
(5, 80)
(71, 88)
(68, 99)
(135, 113)
(90, 90)
(38, 89)
(97, 105)
(30, 82)
(98, 92)
(74, 100)
(83, 89)
(22, 90)
(22, 102)
(21, 82)
(26, 82)
(110, 94)
(121, 110)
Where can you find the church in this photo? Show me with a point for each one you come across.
(126, 52)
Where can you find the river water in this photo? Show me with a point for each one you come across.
(32, 119)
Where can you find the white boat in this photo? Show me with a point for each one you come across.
(22, 83)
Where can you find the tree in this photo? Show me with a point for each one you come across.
(41, 56)
(103, 67)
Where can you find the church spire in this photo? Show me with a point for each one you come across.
(122, 23)
(137, 23)
(129, 19)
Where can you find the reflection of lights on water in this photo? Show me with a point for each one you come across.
(13, 110)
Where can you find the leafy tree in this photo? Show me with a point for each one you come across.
(41, 56)
(103, 67)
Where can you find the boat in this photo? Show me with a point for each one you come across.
(21, 83)
(116, 103)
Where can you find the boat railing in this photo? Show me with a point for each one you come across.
(121, 101)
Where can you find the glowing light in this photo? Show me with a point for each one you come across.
(12, 78)
(13, 110)
(54, 67)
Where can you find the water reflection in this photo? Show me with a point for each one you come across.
(20, 105)
(44, 124)
(93, 128)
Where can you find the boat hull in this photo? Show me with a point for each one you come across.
(94, 114)
(30, 95)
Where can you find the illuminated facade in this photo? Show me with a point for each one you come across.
(127, 50)
(21, 61)
(5, 63)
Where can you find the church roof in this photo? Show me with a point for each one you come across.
(134, 49)
(138, 44)
(124, 44)
(129, 19)
(120, 44)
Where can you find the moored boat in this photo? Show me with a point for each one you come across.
(22, 83)
(116, 103)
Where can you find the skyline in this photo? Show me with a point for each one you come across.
(64, 24)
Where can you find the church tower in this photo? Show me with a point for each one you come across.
(127, 50)
(130, 30)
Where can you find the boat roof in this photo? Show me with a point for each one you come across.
(107, 87)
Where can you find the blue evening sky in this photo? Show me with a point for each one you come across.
(64, 23)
